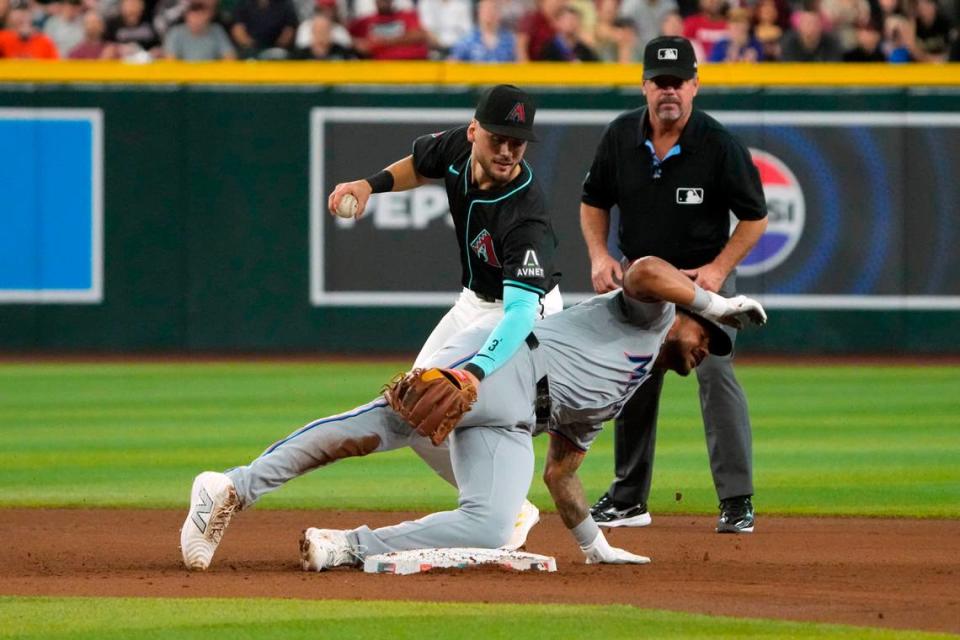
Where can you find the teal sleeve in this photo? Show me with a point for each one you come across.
(520, 309)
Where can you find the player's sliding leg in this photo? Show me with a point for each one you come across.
(494, 468)
(214, 497)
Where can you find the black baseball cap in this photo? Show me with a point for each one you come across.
(507, 111)
(669, 56)
(720, 342)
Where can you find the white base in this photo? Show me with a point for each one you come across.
(421, 560)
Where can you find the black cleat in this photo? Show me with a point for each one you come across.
(606, 514)
(736, 515)
(604, 503)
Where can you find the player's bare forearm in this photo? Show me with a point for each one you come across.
(743, 239)
(651, 278)
(605, 271)
(405, 175)
(560, 476)
(595, 225)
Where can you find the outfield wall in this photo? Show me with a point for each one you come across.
(146, 210)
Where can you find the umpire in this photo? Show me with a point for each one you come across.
(676, 174)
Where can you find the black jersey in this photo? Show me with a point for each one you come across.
(504, 234)
(677, 209)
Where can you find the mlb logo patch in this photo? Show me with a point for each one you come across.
(667, 54)
(689, 195)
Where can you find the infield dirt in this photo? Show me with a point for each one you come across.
(886, 573)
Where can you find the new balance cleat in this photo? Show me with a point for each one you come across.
(322, 549)
(213, 500)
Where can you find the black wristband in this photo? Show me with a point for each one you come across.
(475, 370)
(381, 182)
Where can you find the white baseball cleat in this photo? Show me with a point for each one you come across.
(325, 548)
(528, 517)
(213, 499)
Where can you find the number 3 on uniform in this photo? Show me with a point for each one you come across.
(493, 345)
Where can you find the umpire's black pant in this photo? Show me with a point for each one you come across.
(726, 424)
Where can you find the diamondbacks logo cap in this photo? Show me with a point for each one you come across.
(669, 56)
(507, 111)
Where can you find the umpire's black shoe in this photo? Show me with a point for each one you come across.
(736, 515)
(606, 514)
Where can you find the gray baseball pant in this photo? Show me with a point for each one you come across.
(490, 458)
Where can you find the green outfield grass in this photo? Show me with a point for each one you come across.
(263, 619)
(865, 440)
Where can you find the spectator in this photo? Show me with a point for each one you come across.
(932, 29)
(566, 45)
(93, 46)
(808, 42)
(880, 10)
(4, 12)
(22, 40)
(707, 27)
(366, 8)
(306, 9)
(898, 39)
(167, 13)
(65, 27)
(489, 41)
(131, 33)
(672, 25)
(588, 20)
(446, 22)
(769, 27)
(537, 29)
(844, 16)
(769, 37)
(773, 13)
(322, 45)
(338, 32)
(614, 37)
(390, 34)
(264, 28)
(740, 45)
(512, 12)
(198, 37)
(647, 16)
(868, 45)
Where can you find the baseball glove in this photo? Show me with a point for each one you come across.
(432, 401)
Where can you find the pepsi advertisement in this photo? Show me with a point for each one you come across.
(863, 207)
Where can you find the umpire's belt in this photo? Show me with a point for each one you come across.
(543, 386)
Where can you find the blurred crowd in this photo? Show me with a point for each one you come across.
(895, 31)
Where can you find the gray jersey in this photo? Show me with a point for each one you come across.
(595, 355)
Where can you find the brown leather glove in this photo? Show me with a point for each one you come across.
(432, 401)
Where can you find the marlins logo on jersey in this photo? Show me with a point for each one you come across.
(530, 268)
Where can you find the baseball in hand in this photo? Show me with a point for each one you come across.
(348, 206)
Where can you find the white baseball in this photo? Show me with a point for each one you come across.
(348, 206)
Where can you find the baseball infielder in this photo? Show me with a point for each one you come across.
(503, 231)
(583, 363)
